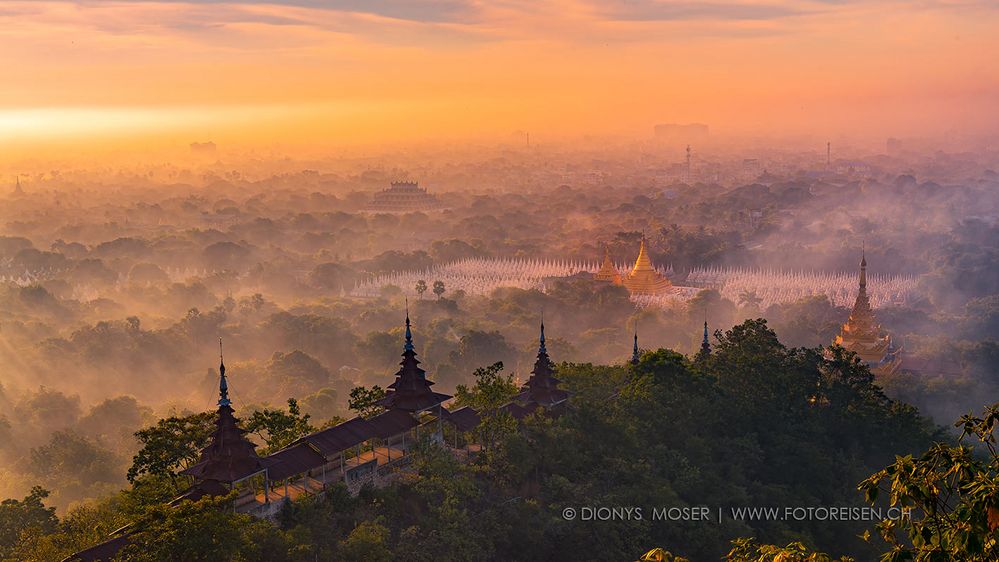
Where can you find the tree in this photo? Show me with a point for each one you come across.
(750, 300)
(421, 287)
(748, 550)
(363, 400)
(439, 289)
(278, 428)
(491, 389)
(947, 500)
(69, 458)
(661, 555)
(367, 542)
(171, 445)
(20, 516)
(203, 530)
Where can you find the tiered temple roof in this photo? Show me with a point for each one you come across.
(542, 388)
(608, 271)
(404, 196)
(229, 456)
(864, 336)
(644, 278)
(411, 390)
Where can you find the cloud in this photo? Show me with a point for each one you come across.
(652, 10)
(427, 11)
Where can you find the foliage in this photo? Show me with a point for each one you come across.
(661, 555)
(171, 445)
(364, 400)
(748, 550)
(278, 428)
(949, 496)
(18, 517)
(204, 530)
(491, 389)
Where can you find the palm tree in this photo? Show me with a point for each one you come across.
(749, 299)
(439, 289)
(421, 287)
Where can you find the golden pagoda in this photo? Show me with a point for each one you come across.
(643, 278)
(608, 272)
(864, 336)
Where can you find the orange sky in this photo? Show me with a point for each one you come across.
(369, 70)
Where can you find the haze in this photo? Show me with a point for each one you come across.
(257, 73)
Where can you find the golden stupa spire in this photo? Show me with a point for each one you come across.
(863, 335)
(643, 263)
(644, 278)
(608, 271)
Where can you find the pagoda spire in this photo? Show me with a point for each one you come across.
(411, 389)
(635, 356)
(229, 456)
(705, 344)
(644, 278)
(863, 269)
(223, 385)
(409, 332)
(541, 347)
(542, 387)
(864, 336)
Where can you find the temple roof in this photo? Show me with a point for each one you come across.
(608, 271)
(465, 419)
(229, 456)
(542, 388)
(643, 277)
(294, 460)
(331, 441)
(411, 390)
(864, 336)
(103, 552)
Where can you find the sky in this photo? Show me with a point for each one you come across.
(369, 71)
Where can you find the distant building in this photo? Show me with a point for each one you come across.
(203, 148)
(864, 336)
(644, 279)
(608, 271)
(403, 197)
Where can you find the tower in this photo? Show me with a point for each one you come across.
(608, 271)
(828, 154)
(864, 336)
(542, 388)
(635, 355)
(410, 392)
(688, 163)
(644, 278)
(229, 457)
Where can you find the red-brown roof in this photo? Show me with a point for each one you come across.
(329, 442)
(294, 460)
(465, 419)
(517, 411)
(391, 423)
(103, 552)
(230, 456)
